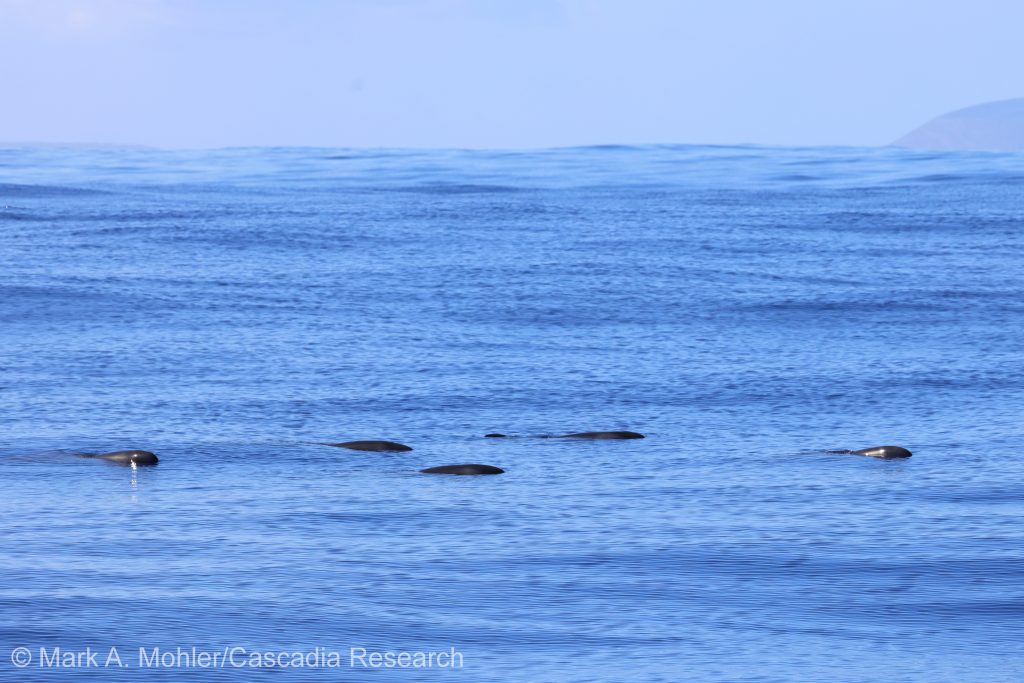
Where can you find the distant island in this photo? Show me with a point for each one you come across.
(993, 126)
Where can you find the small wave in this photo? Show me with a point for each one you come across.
(16, 190)
(821, 306)
(458, 188)
(13, 216)
(979, 178)
(942, 178)
(799, 177)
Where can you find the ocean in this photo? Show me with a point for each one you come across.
(746, 308)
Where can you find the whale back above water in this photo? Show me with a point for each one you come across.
(126, 457)
(467, 469)
(884, 452)
(993, 126)
(375, 446)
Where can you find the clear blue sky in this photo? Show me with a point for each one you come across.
(497, 73)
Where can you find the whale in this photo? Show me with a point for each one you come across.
(126, 457)
(463, 469)
(579, 435)
(376, 446)
(883, 452)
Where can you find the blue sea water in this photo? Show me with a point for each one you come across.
(747, 308)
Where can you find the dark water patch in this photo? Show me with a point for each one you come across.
(17, 216)
(812, 306)
(50, 304)
(942, 178)
(605, 148)
(30, 191)
(796, 177)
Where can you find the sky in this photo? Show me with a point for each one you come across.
(497, 73)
